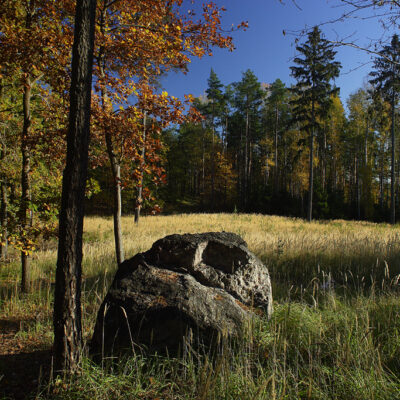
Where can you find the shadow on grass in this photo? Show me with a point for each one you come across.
(21, 373)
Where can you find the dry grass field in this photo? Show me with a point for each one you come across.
(335, 332)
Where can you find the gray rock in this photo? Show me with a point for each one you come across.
(208, 284)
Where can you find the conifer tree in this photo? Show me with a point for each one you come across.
(313, 91)
(215, 104)
(276, 105)
(386, 79)
(248, 99)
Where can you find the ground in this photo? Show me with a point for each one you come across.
(340, 340)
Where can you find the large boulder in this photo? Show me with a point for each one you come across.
(206, 284)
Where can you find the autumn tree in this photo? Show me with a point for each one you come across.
(136, 43)
(32, 41)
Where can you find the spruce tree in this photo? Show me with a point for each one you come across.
(386, 79)
(313, 91)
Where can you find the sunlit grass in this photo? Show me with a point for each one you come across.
(335, 332)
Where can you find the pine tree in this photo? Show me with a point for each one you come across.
(386, 79)
(248, 99)
(214, 108)
(276, 107)
(313, 89)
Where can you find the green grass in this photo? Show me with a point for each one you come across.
(334, 334)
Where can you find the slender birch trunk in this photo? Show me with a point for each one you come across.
(139, 199)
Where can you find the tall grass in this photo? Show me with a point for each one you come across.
(334, 334)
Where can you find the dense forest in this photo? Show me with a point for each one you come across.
(251, 150)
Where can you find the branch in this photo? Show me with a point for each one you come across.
(366, 49)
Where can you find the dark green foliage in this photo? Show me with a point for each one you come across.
(251, 152)
(386, 74)
(314, 72)
(313, 91)
(386, 79)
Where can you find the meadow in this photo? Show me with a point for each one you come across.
(334, 334)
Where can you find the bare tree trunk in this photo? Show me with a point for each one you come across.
(116, 188)
(67, 297)
(4, 219)
(246, 160)
(266, 175)
(213, 161)
(4, 199)
(225, 142)
(392, 170)
(311, 169)
(139, 199)
(323, 162)
(285, 163)
(366, 144)
(276, 177)
(114, 162)
(358, 190)
(334, 170)
(203, 169)
(25, 171)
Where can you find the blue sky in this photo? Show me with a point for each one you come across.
(264, 49)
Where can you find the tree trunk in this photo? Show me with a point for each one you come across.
(213, 161)
(334, 170)
(276, 177)
(25, 171)
(311, 169)
(246, 161)
(116, 189)
(114, 162)
(392, 170)
(4, 218)
(203, 166)
(266, 175)
(67, 297)
(366, 144)
(139, 199)
(3, 199)
(358, 190)
(323, 162)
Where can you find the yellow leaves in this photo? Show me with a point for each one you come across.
(164, 94)
(189, 97)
